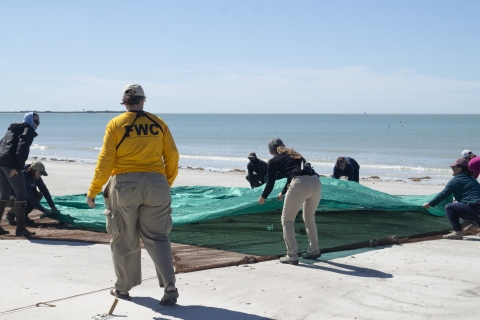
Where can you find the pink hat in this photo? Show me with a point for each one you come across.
(460, 162)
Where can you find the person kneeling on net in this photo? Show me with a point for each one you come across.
(346, 167)
(303, 188)
(466, 191)
(32, 174)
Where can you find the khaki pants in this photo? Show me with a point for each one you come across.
(138, 205)
(304, 191)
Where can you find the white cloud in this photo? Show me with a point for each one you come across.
(247, 89)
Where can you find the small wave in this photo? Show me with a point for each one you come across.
(37, 146)
(214, 158)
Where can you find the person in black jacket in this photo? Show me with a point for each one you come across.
(303, 188)
(257, 171)
(14, 150)
(33, 179)
(347, 167)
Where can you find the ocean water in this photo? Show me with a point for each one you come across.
(393, 147)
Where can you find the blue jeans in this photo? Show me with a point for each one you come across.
(456, 210)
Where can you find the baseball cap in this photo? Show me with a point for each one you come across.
(134, 89)
(38, 166)
(460, 162)
(252, 155)
(466, 153)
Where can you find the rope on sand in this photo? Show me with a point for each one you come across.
(49, 303)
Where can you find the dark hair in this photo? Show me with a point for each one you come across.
(130, 99)
(339, 160)
(465, 170)
(35, 114)
(31, 173)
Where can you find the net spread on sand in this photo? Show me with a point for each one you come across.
(231, 219)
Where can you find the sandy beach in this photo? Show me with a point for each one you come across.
(70, 280)
(74, 178)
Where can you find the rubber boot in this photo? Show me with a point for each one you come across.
(20, 210)
(3, 204)
(10, 218)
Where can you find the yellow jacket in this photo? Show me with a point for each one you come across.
(145, 149)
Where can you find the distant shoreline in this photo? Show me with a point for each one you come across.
(88, 111)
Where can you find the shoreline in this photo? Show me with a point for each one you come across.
(71, 177)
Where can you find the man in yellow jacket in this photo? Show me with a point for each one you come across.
(140, 158)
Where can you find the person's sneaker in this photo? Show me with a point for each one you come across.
(456, 235)
(311, 256)
(285, 259)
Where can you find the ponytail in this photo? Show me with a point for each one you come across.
(289, 152)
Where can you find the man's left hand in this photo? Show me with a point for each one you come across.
(91, 202)
(426, 206)
(261, 200)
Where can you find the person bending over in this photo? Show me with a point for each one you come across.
(33, 179)
(347, 167)
(140, 158)
(303, 188)
(466, 191)
(14, 150)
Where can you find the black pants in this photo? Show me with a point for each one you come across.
(17, 183)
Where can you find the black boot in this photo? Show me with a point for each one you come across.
(10, 217)
(3, 204)
(20, 210)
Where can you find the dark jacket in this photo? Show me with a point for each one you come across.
(288, 167)
(15, 145)
(32, 185)
(259, 167)
(463, 187)
(349, 170)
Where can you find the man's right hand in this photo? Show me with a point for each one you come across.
(91, 202)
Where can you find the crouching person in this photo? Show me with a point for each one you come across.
(140, 158)
(466, 191)
(35, 191)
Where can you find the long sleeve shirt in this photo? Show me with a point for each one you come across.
(259, 167)
(463, 187)
(287, 166)
(147, 147)
(31, 186)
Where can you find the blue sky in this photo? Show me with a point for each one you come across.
(242, 56)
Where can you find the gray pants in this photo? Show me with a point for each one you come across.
(138, 205)
(303, 191)
(17, 183)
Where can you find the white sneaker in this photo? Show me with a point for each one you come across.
(455, 235)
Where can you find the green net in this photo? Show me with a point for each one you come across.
(231, 218)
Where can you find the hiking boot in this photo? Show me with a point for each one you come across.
(169, 297)
(311, 256)
(286, 260)
(455, 235)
